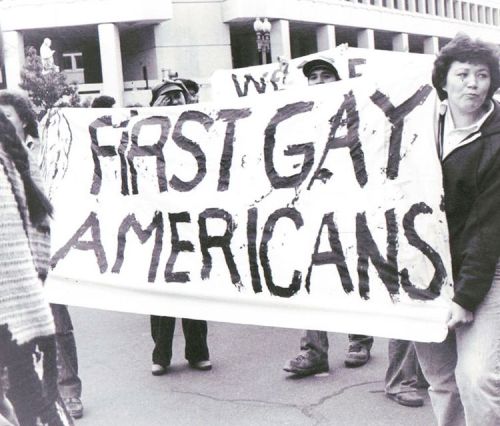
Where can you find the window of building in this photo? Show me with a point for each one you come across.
(302, 39)
(72, 61)
(383, 40)
(443, 42)
(346, 35)
(3, 84)
(416, 43)
(243, 45)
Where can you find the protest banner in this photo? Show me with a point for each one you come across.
(285, 74)
(315, 208)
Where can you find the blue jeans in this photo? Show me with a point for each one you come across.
(403, 373)
(68, 382)
(315, 343)
(464, 370)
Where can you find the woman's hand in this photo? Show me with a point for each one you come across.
(459, 316)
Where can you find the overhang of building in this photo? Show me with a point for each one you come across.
(32, 14)
(353, 14)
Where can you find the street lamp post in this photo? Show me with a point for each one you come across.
(262, 30)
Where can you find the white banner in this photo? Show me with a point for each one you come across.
(317, 208)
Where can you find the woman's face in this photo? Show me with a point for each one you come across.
(11, 114)
(467, 86)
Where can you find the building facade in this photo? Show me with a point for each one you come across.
(123, 48)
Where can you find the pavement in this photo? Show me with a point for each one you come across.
(246, 386)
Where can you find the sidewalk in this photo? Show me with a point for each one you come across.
(247, 385)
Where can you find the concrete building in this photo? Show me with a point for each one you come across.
(123, 48)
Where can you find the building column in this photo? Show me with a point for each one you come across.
(458, 10)
(401, 4)
(366, 39)
(450, 9)
(325, 37)
(111, 62)
(495, 16)
(482, 14)
(489, 15)
(473, 13)
(440, 7)
(14, 58)
(412, 4)
(466, 7)
(422, 8)
(401, 43)
(280, 39)
(431, 45)
(431, 7)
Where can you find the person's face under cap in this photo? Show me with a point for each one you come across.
(170, 95)
(319, 71)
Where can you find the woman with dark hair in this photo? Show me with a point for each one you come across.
(27, 343)
(464, 370)
(17, 108)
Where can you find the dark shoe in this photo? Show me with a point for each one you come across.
(303, 365)
(357, 355)
(74, 406)
(158, 369)
(408, 399)
(204, 365)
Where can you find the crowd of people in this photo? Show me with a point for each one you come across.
(462, 373)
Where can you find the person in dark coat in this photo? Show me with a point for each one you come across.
(172, 93)
(464, 369)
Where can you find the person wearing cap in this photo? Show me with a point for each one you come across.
(320, 71)
(313, 356)
(403, 374)
(170, 93)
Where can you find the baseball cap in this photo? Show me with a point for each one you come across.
(317, 63)
(165, 87)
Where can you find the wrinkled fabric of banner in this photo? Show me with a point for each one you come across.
(313, 208)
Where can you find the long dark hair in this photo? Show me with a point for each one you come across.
(39, 207)
(22, 106)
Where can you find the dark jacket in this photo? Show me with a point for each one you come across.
(471, 176)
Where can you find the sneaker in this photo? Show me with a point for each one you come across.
(158, 370)
(408, 399)
(74, 406)
(303, 365)
(357, 355)
(204, 365)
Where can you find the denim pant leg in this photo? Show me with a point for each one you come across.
(68, 381)
(478, 366)
(315, 343)
(195, 335)
(162, 332)
(403, 370)
(360, 339)
(438, 361)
